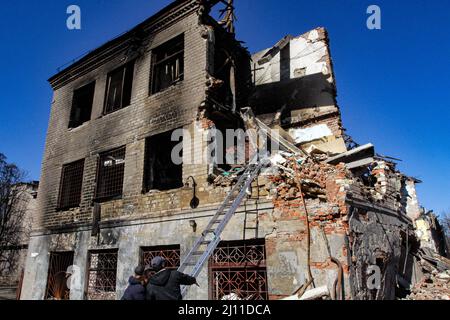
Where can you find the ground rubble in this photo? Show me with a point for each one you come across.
(435, 284)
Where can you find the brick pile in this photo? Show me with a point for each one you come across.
(433, 287)
(435, 284)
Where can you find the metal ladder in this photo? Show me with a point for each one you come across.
(210, 237)
(248, 227)
(251, 218)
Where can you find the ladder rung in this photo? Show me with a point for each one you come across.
(251, 228)
(197, 253)
(205, 242)
(218, 221)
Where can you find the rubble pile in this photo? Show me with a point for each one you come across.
(284, 178)
(313, 176)
(435, 284)
(295, 172)
(433, 287)
(227, 178)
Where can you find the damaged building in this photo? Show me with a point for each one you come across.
(324, 214)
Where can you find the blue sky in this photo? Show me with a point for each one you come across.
(393, 84)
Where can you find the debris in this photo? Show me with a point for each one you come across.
(231, 296)
(432, 287)
(317, 132)
(313, 149)
(316, 293)
(224, 178)
(277, 159)
(319, 293)
(359, 153)
(435, 284)
(275, 49)
(359, 163)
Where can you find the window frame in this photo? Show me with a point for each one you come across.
(72, 109)
(155, 64)
(128, 70)
(147, 171)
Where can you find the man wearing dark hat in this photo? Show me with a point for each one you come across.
(136, 289)
(165, 284)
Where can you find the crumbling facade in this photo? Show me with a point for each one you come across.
(430, 233)
(110, 198)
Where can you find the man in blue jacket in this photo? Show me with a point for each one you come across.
(136, 289)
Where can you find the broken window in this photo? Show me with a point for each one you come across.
(102, 275)
(82, 105)
(228, 153)
(160, 172)
(119, 85)
(71, 184)
(110, 174)
(238, 269)
(57, 276)
(224, 70)
(170, 253)
(168, 64)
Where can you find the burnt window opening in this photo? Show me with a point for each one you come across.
(168, 64)
(111, 167)
(225, 71)
(160, 172)
(83, 99)
(225, 150)
(102, 275)
(118, 89)
(232, 66)
(71, 185)
(365, 175)
(170, 253)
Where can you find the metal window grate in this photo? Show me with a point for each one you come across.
(170, 253)
(71, 185)
(239, 268)
(57, 276)
(102, 275)
(110, 174)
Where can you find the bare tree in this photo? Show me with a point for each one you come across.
(12, 213)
